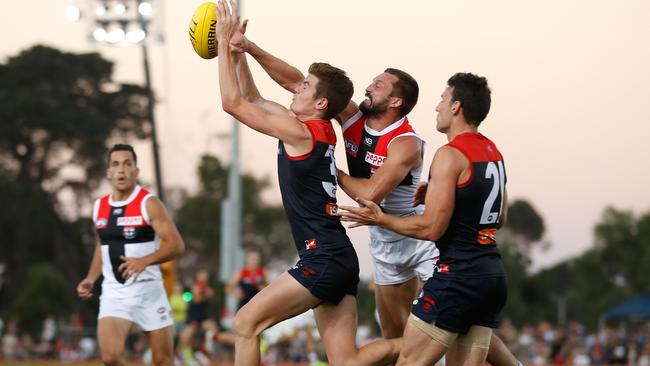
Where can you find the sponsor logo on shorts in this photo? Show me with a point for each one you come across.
(129, 232)
(374, 159)
(129, 221)
(101, 223)
(428, 303)
(161, 310)
(163, 318)
(442, 268)
(310, 244)
(307, 272)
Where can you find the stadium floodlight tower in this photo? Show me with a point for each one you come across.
(137, 22)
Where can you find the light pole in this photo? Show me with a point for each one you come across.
(232, 254)
(128, 21)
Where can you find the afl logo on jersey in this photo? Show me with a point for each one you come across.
(117, 211)
(101, 223)
(351, 147)
(367, 141)
(129, 232)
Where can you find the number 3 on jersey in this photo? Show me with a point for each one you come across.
(495, 172)
(329, 187)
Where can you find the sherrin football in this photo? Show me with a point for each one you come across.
(203, 30)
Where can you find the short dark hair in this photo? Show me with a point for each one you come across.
(122, 147)
(406, 88)
(333, 85)
(473, 93)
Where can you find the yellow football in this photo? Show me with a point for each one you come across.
(203, 30)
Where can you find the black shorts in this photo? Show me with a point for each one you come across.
(329, 274)
(455, 304)
(197, 312)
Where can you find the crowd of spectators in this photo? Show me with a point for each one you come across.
(542, 344)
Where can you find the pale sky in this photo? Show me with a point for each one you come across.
(570, 86)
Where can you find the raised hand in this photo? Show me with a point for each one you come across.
(239, 43)
(227, 20)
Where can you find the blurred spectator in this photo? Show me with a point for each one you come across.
(246, 283)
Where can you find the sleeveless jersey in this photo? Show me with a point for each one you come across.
(366, 151)
(250, 282)
(124, 230)
(468, 247)
(308, 189)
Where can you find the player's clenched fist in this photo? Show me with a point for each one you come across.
(84, 289)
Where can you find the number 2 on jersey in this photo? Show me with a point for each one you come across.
(495, 172)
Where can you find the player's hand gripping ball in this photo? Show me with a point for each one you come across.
(203, 30)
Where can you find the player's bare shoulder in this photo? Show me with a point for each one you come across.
(407, 149)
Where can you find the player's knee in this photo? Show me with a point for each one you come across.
(162, 359)
(244, 326)
(111, 358)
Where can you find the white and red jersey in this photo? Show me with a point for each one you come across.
(124, 229)
(366, 150)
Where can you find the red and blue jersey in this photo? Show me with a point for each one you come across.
(308, 188)
(468, 246)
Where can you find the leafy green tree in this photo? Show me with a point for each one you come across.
(58, 111)
(264, 226)
(45, 292)
(603, 276)
(525, 225)
(523, 230)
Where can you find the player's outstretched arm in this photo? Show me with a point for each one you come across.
(246, 82)
(404, 154)
(287, 76)
(266, 117)
(84, 289)
(446, 167)
(350, 110)
(171, 243)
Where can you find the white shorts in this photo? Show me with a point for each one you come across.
(148, 308)
(398, 261)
